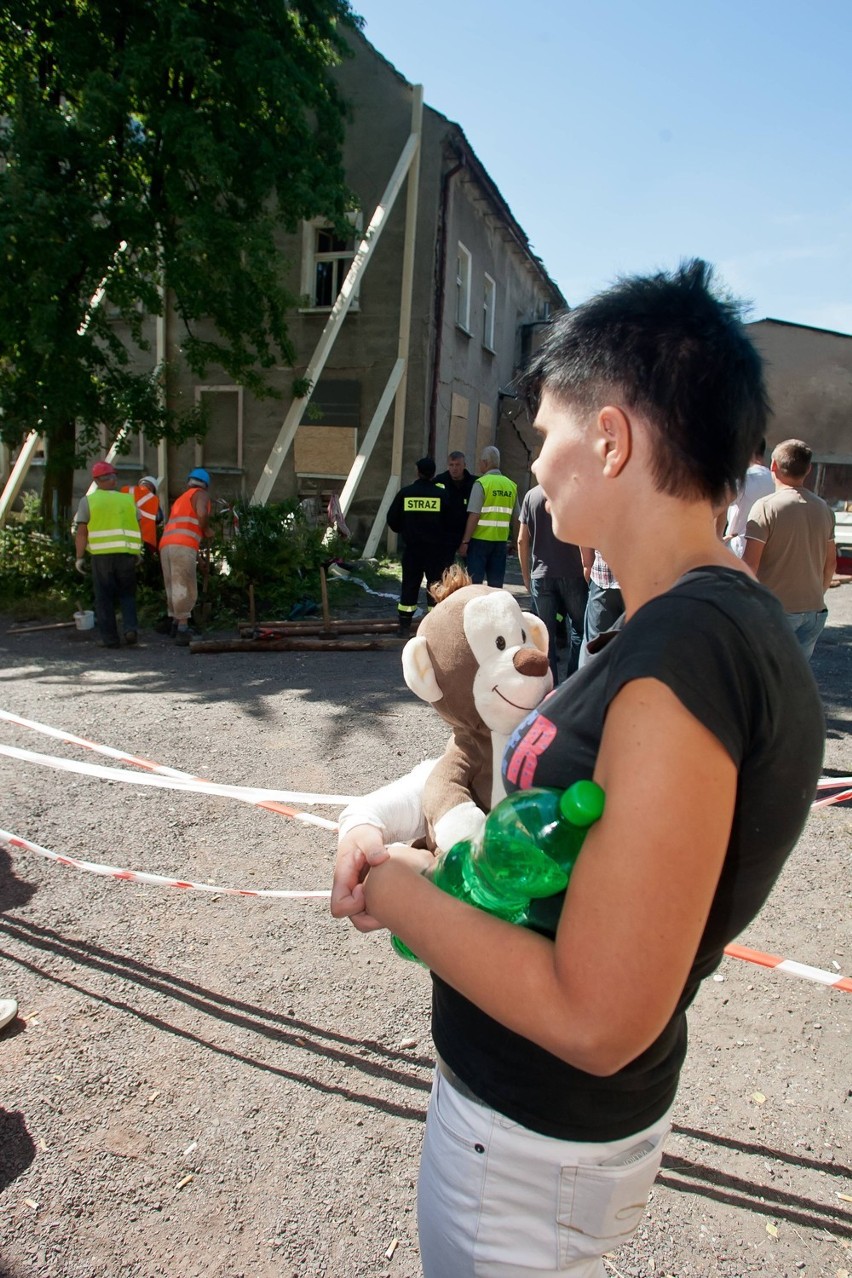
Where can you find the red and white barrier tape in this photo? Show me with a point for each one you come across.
(140, 876)
(271, 796)
(790, 966)
(173, 778)
(243, 794)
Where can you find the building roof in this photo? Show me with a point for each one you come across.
(767, 319)
(489, 187)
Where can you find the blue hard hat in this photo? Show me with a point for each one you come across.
(198, 476)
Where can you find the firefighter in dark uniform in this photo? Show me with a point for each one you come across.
(420, 514)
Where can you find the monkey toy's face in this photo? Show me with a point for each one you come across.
(479, 660)
(510, 649)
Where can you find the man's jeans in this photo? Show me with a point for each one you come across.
(807, 627)
(604, 608)
(565, 595)
(486, 561)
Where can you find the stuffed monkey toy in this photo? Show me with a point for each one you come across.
(482, 663)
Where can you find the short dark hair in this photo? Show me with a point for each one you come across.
(455, 456)
(670, 347)
(793, 458)
(426, 467)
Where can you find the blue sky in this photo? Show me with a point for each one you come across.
(628, 134)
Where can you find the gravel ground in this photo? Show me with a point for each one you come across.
(205, 1084)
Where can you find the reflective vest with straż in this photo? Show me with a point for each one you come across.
(495, 518)
(148, 506)
(183, 527)
(113, 528)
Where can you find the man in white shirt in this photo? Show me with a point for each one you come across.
(758, 483)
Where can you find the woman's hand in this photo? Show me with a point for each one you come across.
(386, 881)
(359, 849)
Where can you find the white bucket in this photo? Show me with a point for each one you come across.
(84, 620)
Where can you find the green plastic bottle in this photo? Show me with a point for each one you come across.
(526, 852)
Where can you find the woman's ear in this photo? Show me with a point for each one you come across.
(615, 439)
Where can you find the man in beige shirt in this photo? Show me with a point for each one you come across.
(790, 543)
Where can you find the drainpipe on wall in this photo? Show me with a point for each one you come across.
(440, 292)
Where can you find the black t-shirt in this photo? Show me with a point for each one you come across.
(549, 556)
(722, 644)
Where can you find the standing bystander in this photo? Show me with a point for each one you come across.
(492, 504)
(186, 527)
(553, 574)
(605, 604)
(758, 483)
(108, 527)
(458, 483)
(790, 543)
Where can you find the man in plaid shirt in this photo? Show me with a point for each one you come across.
(605, 604)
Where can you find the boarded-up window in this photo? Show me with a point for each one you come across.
(459, 411)
(325, 452)
(484, 429)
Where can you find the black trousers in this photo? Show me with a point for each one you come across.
(114, 581)
(419, 562)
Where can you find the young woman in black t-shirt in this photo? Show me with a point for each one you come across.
(701, 721)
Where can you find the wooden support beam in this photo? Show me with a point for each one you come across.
(360, 462)
(406, 295)
(15, 482)
(379, 644)
(381, 517)
(317, 362)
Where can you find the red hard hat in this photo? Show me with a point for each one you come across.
(103, 468)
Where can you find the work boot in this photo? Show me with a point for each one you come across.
(130, 638)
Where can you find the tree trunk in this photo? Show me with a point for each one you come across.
(58, 490)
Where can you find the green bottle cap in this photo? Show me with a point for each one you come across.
(582, 803)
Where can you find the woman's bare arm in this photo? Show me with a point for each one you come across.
(635, 909)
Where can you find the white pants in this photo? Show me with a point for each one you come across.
(496, 1200)
(178, 564)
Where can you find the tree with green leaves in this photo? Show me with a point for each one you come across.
(154, 147)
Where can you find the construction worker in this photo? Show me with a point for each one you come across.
(420, 514)
(148, 505)
(108, 527)
(491, 507)
(186, 527)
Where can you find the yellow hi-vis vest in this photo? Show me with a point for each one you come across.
(495, 519)
(113, 526)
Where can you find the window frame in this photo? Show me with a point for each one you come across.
(464, 273)
(488, 312)
(311, 258)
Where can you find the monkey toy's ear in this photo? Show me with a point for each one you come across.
(537, 631)
(418, 671)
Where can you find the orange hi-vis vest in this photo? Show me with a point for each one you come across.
(148, 506)
(182, 526)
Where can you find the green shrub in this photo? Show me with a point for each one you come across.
(37, 567)
(273, 548)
